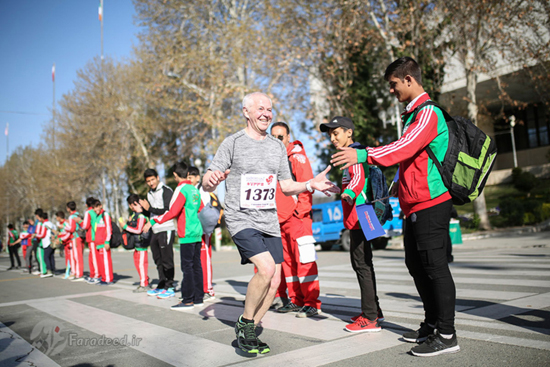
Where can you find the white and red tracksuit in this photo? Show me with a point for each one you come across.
(66, 238)
(86, 224)
(101, 235)
(141, 256)
(294, 213)
(77, 246)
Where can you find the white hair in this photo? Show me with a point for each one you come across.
(248, 98)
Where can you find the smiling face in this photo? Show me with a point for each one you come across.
(340, 138)
(258, 113)
(401, 89)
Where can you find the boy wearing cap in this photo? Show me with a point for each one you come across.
(355, 191)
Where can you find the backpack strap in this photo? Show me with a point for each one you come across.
(447, 118)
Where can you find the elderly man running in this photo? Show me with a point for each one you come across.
(251, 162)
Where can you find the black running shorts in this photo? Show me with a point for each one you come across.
(251, 242)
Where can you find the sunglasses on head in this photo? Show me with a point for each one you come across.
(280, 137)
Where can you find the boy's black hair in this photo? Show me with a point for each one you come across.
(133, 198)
(71, 205)
(281, 124)
(60, 214)
(90, 201)
(26, 223)
(181, 169)
(10, 226)
(402, 67)
(44, 215)
(193, 171)
(38, 212)
(97, 203)
(150, 172)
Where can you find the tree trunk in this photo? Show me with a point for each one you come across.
(480, 207)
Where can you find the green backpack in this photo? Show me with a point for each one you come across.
(469, 159)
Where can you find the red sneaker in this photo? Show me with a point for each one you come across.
(362, 325)
(380, 317)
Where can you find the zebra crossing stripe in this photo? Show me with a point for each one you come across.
(309, 327)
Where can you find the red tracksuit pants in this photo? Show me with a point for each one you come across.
(93, 261)
(105, 265)
(69, 261)
(206, 263)
(77, 264)
(141, 261)
(302, 280)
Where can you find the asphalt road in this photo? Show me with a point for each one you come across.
(502, 318)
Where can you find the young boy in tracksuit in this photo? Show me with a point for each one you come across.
(355, 192)
(77, 246)
(86, 224)
(66, 240)
(185, 205)
(134, 227)
(13, 247)
(45, 249)
(26, 246)
(102, 231)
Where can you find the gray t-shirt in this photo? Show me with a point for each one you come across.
(244, 155)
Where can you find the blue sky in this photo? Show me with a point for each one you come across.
(37, 33)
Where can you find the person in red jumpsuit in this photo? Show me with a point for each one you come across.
(294, 212)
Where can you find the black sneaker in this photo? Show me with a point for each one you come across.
(308, 311)
(246, 336)
(263, 348)
(420, 335)
(436, 345)
(290, 307)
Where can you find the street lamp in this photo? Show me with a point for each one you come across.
(512, 124)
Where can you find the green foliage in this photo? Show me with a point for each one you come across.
(523, 181)
(513, 211)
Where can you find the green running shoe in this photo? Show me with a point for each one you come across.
(246, 336)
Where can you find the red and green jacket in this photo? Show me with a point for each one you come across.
(86, 224)
(140, 220)
(13, 235)
(355, 181)
(102, 229)
(420, 184)
(185, 204)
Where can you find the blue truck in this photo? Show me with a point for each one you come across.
(328, 226)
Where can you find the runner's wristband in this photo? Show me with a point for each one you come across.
(308, 186)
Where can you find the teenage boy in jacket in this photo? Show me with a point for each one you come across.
(102, 231)
(66, 238)
(185, 205)
(355, 191)
(134, 227)
(426, 203)
(26, 246)
(162, 238)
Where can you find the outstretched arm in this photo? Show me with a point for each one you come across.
(319, 182)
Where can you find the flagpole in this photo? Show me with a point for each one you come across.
(100, 13)
(53, 104)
